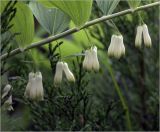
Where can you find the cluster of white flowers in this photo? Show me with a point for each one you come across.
(34, 88)
(143, 29)
(8, 102)
(60, 67)
(91, 60)
(116, 47)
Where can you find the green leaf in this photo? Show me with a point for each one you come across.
(80, 38)
(52, 20)
(134, 3)
(46, 3)
(67, 48)
(23, 23)
(107, 6)
(78, 10)
(2, 5)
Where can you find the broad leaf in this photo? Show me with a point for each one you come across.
(52, 20)
(46, 3)
(107, 6)
(78, 10)
(80, 38)
(23, 24)
(134, 3)
(67, 48)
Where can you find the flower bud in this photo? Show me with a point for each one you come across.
(8, 103)
(68, 73)
(58, 73)
(116, 47)
(146, 36)
(6, 90)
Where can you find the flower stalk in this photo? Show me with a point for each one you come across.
(122, 99)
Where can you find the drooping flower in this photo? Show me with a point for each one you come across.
(58, 73)
(68, 73)
(6, 90)
(138, 39)
(34, 89)
(8, 103)
(146, 36)
(116, 47)
(91, 59)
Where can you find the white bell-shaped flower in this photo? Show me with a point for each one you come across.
(58, 73)
(91, 59)
(95, 62)
(6, 90)
(138, 39)
(146, 36)
(34, 89)
(68, 73)
(8, 103)
(116, 47)
(28, 87)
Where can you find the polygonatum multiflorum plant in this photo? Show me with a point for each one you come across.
(41, 33)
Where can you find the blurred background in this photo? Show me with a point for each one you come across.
(92, 103)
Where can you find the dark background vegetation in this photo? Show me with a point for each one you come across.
(92, 103)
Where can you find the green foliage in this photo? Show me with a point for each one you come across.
(68, 48)
(132, 73)
(23, 24)
(14, 123)
(3, 5)
(107, 6)
(6, 37)
(46, 3)
(78, 10)
(91, 103)
(134, 3)
(52, 20)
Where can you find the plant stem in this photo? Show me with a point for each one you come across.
(59, 48)
(122, 99)
(73, 30)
